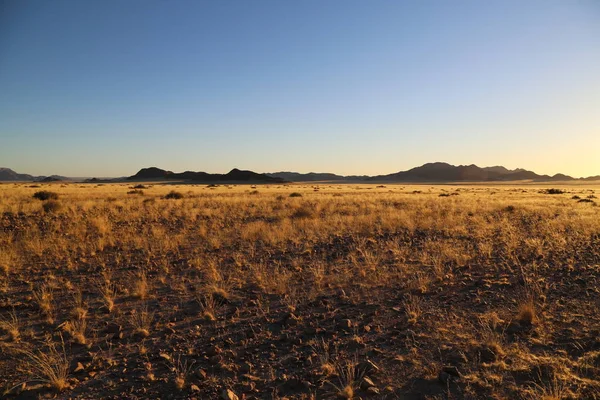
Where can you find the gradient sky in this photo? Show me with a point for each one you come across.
(103, 88)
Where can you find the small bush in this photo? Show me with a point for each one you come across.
(303, 212)
(254, 192)
(140, 187)
(553, 191)
(174, 195)
(51, 206)
(586, 201)
(45, 195)
(295, 194)
(575, 197)
(444, 195)
(136, 191)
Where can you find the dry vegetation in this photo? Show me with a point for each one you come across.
(299, 292)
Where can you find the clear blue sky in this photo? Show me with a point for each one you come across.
(103, 88)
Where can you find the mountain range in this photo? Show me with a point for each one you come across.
(7, 174)
(235, 175)
(437, 172)
(428, 173)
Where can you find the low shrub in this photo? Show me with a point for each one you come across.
(174, 195)
(553, 191)
(45, 195)
(51, 206)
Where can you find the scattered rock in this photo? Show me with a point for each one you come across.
(79, 367)
(228, 394)
(366, 383)
(373, 390)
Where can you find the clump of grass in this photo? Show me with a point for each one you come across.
(51, 206)
(11, 326)
(412, 308)
(76, 328)
(295, 194)
(182, 371)
(526, 311)
(43, 297)
(174, 195)
(348, 380)
(141, 286)
(208, 307)
(7, 260)
(50, 367)
(303, 213)
(321, 348)
(136, 191)
(79, 306)
(108, 291)
(140, 186)
(45, 195)
(141, 321)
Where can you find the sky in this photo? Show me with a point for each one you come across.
(104, 88)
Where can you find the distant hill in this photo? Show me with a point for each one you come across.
(314, 177)
(444, 172)
(7, 174)
(235, 175)
(436, 172)
(427, 173)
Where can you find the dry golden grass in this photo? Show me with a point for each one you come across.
(484, 292)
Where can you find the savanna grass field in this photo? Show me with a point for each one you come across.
(299, 291)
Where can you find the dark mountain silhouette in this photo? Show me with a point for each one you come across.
(7, 174)
(435, 172)
(314, 177)
(444, 172)
(427, 173)
(235, 175)
(151, 173)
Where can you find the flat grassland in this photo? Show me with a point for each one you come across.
(299, 291)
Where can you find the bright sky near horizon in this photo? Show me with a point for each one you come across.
(104, 88)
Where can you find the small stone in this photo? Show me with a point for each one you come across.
(79, 367)
(346, 324)
(228, 394)
(369, 367)
(366, 383)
